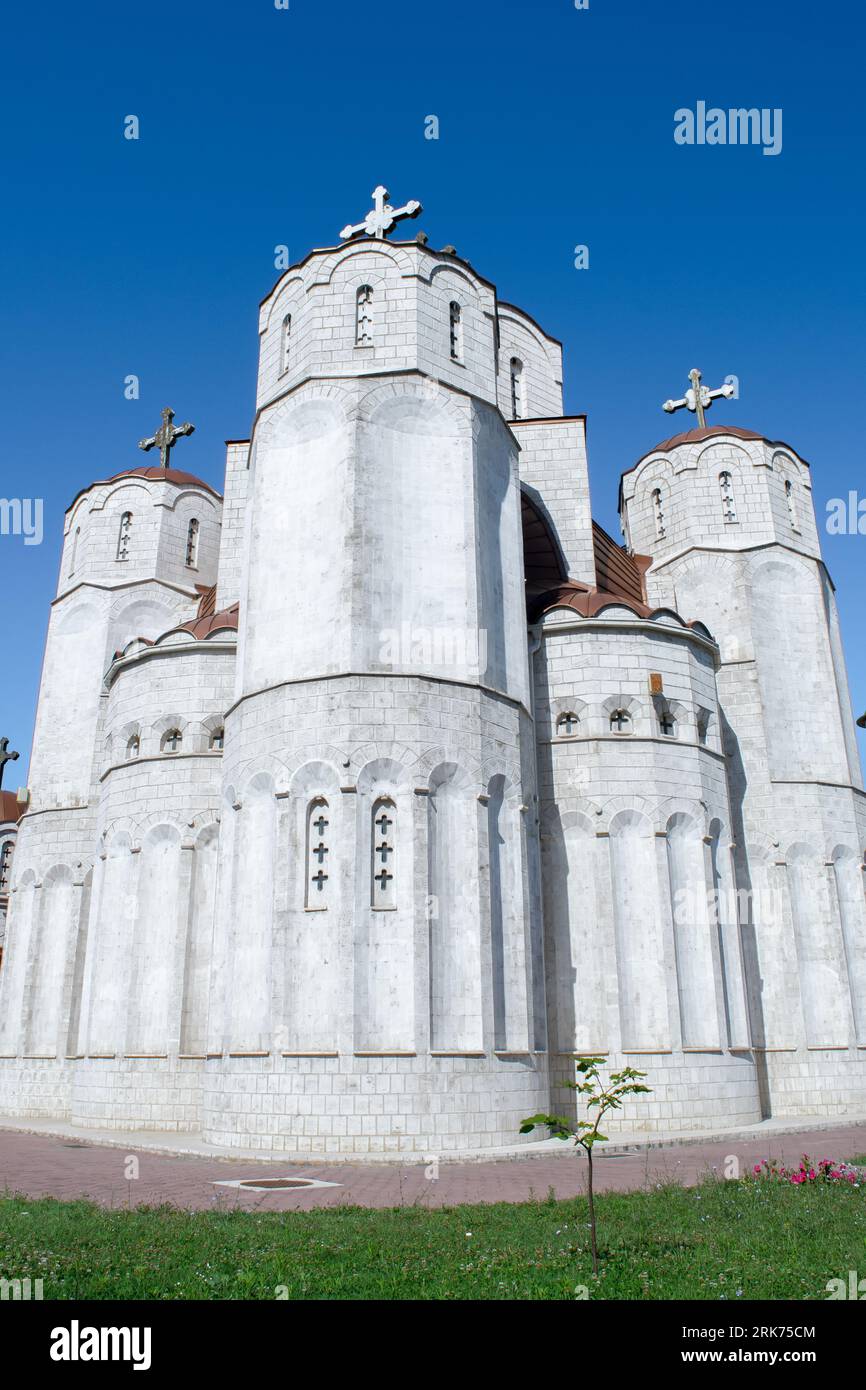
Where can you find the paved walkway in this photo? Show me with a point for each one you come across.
(38, 1165)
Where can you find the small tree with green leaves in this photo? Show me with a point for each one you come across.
(585, 1133)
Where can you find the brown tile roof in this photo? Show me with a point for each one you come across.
(9, 808)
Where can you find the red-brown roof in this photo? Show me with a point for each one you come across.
(710, 432)
(617, 571)
(202, 627)
(697, 436)
(589, 602)
(10, 810)
(207, 600)
(165, 475)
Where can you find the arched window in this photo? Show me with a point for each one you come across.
(5, 866)
(124, 536)
(171, 741)
(218, 740)
(658, 513)
(518, 403)
(318, 855)
(667, 724)
(792, 504)
(384, 882)
(364, 317)
(567, 725)
(285, 343)
(192, 545)
(74, 559)
(456, 331)
(620, 722)
(133, 747)
(729, 509)
(704, 718)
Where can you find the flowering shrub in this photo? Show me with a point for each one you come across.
(825, 1170)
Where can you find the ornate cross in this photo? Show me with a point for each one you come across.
(319, 825)
(320, 880)
(379, 222)
(320, 850)
(5, 757)
(166, 437)
(699, 398)
(384, 823)
(382, 878)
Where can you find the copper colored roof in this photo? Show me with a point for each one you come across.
(697, 436)
(202, 627)
(207, 600)
(165, 475)
(588, 602)
(617, 571)
(10, 810)
(710, 432)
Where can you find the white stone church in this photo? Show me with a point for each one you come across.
(367, 794)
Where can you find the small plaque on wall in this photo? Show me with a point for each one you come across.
(657, 685)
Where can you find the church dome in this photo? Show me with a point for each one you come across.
(165, 475)
(697, 436)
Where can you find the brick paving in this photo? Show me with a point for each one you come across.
(40, 1165)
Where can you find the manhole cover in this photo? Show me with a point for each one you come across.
(260, 1184)
(276, 1184)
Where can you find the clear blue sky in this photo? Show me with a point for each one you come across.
(261, 126)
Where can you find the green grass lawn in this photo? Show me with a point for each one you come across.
(720, 1240)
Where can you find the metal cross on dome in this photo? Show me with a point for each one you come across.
(699, 398)
(166, 437)
(379, 222)
(5, 757)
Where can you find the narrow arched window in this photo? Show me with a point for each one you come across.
(133, 747)
(5, 866)
(217, 740)
(667, 724)
(285, 343)
(518, 402)
(726, 485)
(704, 717)
(192, 544)
(364, 317)
(620, 722)
(384, 868)
(792, 505)
(567, 725)
(456, 332)
(124, 536)
(318, 855)
(172, 741)
(658, 513)
(74, 559)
